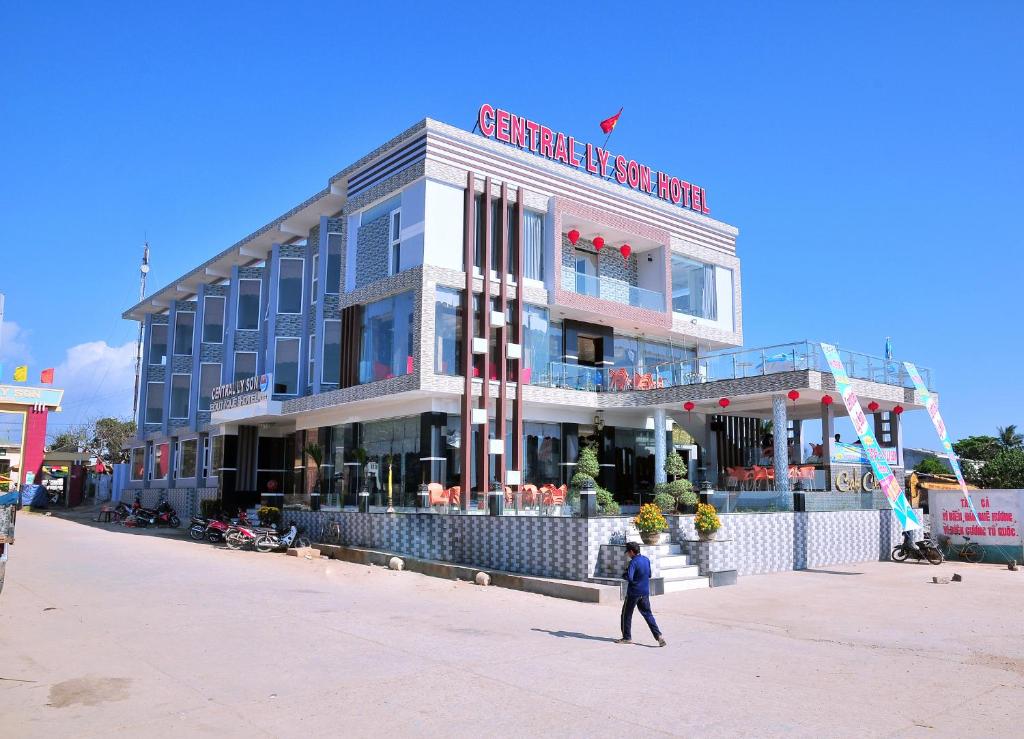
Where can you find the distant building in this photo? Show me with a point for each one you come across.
(913, 456)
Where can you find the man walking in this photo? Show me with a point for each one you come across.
(638, 595)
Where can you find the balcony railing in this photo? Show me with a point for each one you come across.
(616, 291)
(804, 355)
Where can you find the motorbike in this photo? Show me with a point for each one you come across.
(166, 516)
(269, 541)
(243, 536)
(214, 529)
(924, 549)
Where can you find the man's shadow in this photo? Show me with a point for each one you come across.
(588, 637)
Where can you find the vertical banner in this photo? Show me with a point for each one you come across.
(883, 472)
(933, 410)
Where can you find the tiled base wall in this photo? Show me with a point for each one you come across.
(776, 542)
(185, 501)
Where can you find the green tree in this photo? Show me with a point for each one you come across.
(71, 440)
(977, 448)
(675, 467)
(1008, 437)
(933, 466)
(109, 439)
(1005, 471)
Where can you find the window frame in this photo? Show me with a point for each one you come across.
(220, 381)
(238, 304)
(311, 356)
(302, 284)
(149, 394)
(394, 242)
(341, 270)
(188, 397)
(234, 364)
(223, 317)
(179, 455)
(131, 462)
(149, 353)
(323, 353)
(191, 343)
(277, 354)
(314, 281)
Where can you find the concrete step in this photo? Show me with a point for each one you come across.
(690, 583)
(673, 560)
(679, 573)
(660, 550)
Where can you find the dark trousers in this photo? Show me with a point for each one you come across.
(643, 604)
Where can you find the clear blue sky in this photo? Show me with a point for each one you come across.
(869, 153)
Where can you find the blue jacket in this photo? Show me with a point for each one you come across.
(639, 576)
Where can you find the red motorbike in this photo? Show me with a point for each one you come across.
(214, 530)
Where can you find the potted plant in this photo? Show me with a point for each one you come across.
(706, 521)
(650, 523)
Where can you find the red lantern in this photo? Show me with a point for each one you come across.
(872, 406)
(724, 402)
(573, 236)
(625, 250)
(688, 406)
(598, 243)
(826, 400)
(898, 410)
(793, 395)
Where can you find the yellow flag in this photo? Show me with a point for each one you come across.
(21, 373)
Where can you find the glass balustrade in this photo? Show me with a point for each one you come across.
(616, 291)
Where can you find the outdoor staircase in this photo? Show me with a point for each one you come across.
(675, 573)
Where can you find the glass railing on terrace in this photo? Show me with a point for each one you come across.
(804, 355)
(617, 291)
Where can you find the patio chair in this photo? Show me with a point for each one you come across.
(509, 497)
(759, 475)
(556, 496)
(454, 496)
(806, 474)
(438, 495)
(530, 495)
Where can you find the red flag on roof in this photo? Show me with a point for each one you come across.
(609, 123)
(46, 376)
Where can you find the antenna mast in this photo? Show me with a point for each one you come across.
(143, 271)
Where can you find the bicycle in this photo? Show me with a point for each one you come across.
(969, 551)
(330, 533)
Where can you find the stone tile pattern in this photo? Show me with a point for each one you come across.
(185, 501)
(615, 274)
(372, 251)
(612, 560)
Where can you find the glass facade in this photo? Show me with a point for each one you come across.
(138, 463)
(245, 365)
(209, 378)
(333, 285)
(693, 288)
(184, 332)
(542, 453)
(542, 345)
(387, 339)
(448, 331)
(286, 366)
(158, 343)
(154, 402)
(247, 317)
(213, 319)
(331, 373)
(181, 386)
(289, 285)
(160, 461)
(533, 245)
(188, 455)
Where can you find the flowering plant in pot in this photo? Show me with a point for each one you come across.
(650, 523)
(706, 521)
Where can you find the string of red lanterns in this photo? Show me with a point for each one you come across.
(872, 406)
(688, 406)
(573, 236)
(625, 250)
(598, 243)
(826, 400)
(898, 410)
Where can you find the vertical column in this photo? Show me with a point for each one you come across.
(659, 446)
(35, 443)
(711, 451)
(501, 412)
(780, 446)
(518, 334)
(466, 424)
(483, 451)
(827, 432)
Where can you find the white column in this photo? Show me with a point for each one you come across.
(659, 446)
(780, 423)
(827, 431)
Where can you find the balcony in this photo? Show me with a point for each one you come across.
(733, 365)
(615, 291)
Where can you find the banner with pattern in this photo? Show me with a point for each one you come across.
(932, 405)
(905, 515)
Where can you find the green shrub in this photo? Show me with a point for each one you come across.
(688, 499)
(587, 463)
(209, 508)
(606, 503)
(675, 467)
(680, 490)
(665, 502)
(577, 481)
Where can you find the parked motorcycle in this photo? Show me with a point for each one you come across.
(214, 529)
(239, 536)
(924, 549)
(167, 516)
(268, 542)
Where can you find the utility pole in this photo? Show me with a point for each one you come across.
(1, 324)
(143, 271)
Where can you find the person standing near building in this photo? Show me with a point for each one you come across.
(638, 595)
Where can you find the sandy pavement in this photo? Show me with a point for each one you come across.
(105, 633)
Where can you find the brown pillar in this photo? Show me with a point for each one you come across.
(501, 413)
(518, 334)
(483, 460)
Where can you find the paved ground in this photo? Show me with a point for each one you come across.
(103, 632)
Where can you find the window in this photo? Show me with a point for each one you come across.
(448, 331)
(542, 452)
(154, 402)
(159, 461)
(158, 343)
(386, 349)
(315, 281)
(213, 319)
(248, 314)
(533, 245)
(138, 463)
(181, 385)
(206, 457)
(330, 368)
(333, 276)
(184, 331)
(542, 345)
(310, 370)
(693, 288)
(245, 365)
(187, 454)
(395, 252)
(286, 367)
(289, 286)
(209, 378)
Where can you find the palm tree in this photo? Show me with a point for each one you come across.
(1008, 437)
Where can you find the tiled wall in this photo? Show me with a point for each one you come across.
(372, 251)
